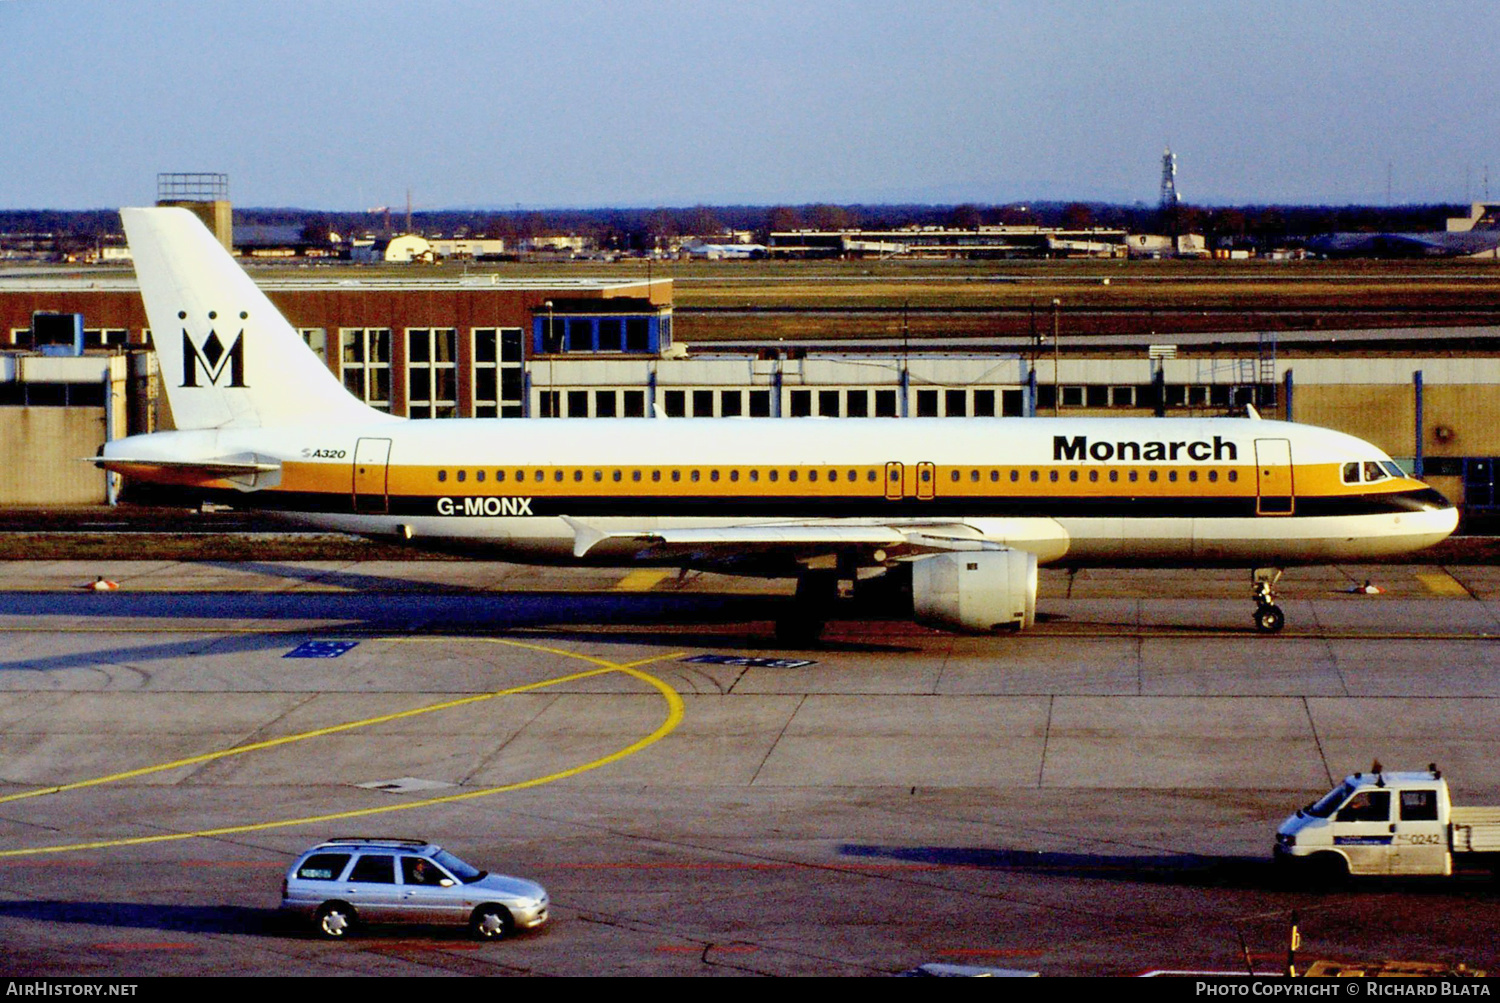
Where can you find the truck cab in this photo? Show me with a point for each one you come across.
(1372, 824)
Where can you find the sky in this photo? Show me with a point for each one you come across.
(345, 105)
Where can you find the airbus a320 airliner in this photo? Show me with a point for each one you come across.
(967, 507)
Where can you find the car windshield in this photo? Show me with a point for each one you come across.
(1325, 805)
(458, 868)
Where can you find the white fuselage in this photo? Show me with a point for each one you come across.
(1079, 491)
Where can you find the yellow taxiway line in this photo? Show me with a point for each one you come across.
(1441, 583)
(673, 718)
(642, 580)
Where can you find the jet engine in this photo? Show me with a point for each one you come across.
(975, 591)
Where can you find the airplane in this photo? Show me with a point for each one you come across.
(959, 511)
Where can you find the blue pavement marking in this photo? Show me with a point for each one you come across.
(320, 649)
(754, 663)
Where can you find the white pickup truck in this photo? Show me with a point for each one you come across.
(1391, 823)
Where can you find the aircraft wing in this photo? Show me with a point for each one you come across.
(792, 539)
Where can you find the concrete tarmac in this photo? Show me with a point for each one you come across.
(1095, 796)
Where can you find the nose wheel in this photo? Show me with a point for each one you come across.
(1269, 619)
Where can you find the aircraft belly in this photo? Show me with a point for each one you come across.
(1264, 540)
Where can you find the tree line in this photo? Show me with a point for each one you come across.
(640, 229)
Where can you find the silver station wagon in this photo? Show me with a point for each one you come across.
(346, 882)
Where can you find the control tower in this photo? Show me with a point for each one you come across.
(206, 195)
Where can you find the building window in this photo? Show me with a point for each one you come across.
(955, 403)
(760, 403)
(499, 374)
(365, 359)
(554, 334)
(105, 337)
(38, 394)
(885, 404)
(317, 340)
(432, 372)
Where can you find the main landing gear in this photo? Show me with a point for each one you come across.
(803, 623)
(1268, 616)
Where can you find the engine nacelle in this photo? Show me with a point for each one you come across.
(975, 591)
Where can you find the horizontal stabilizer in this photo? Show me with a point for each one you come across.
(246, 472)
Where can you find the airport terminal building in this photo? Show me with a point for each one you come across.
(76, 370)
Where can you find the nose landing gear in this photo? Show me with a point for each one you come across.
(1268, 616)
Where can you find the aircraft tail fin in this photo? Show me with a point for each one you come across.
(228, 357)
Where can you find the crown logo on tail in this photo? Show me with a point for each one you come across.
(212, 357)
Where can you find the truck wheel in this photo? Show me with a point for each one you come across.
(1328, 870)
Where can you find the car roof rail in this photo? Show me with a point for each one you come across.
(380, 840)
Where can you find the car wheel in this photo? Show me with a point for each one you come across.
(335, 920)
(490, 922)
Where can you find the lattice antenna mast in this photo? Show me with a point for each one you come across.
(1169, 198)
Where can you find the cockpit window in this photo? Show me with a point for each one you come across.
(1369, 471)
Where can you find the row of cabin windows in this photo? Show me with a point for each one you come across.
(851, 476)
(617, 475)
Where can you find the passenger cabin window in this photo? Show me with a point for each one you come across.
(1419, 806)
(374, 869)
(323, 866)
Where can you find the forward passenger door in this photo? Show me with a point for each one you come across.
(1275, 492)
(1362, 828)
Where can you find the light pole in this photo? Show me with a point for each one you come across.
(551, 403)
(1056, 359)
